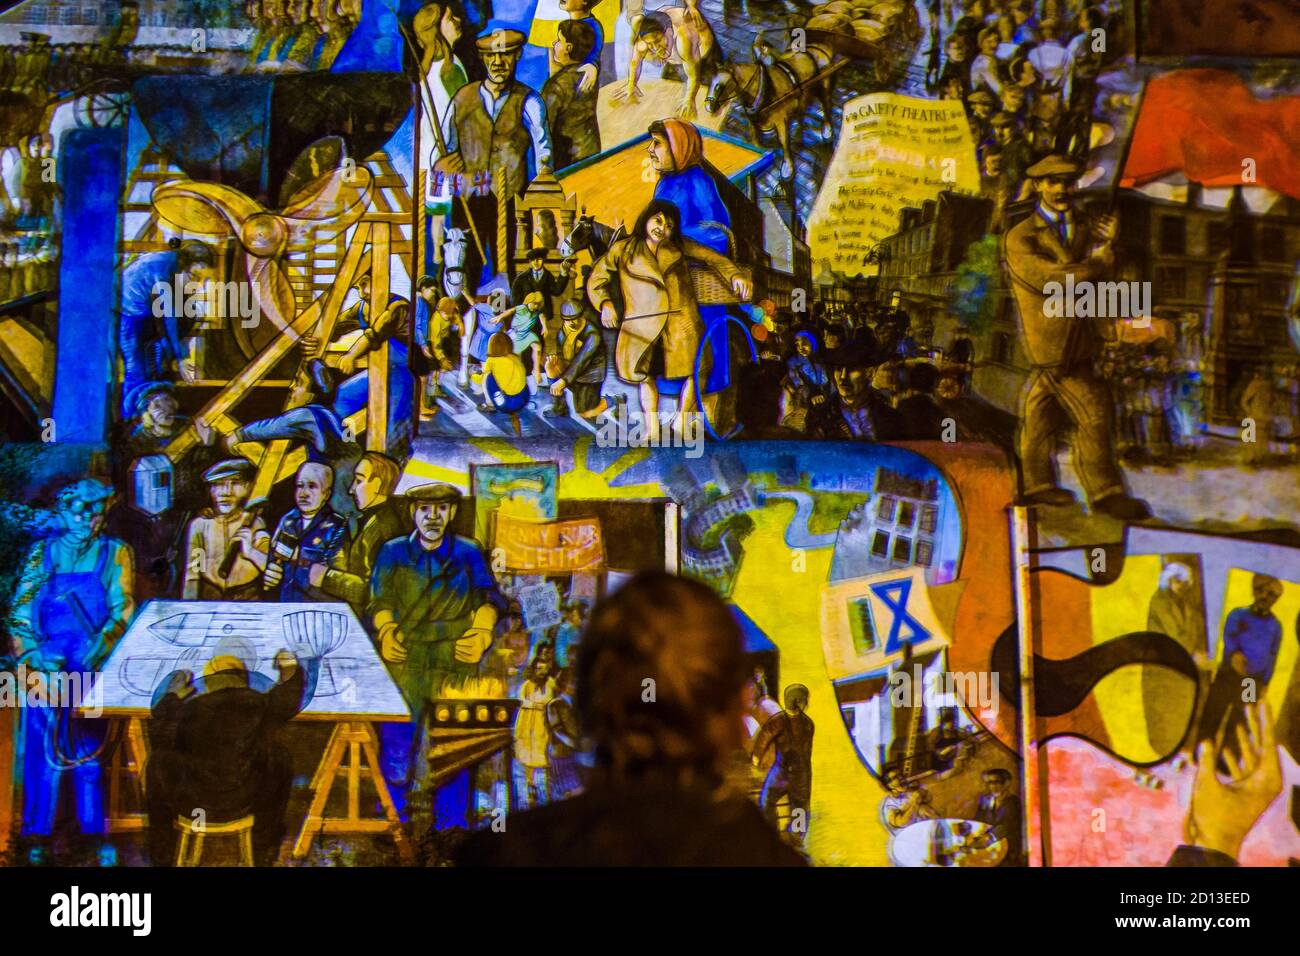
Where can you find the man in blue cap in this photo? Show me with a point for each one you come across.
(73, 600)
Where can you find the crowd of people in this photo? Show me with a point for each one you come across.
(861, 370)
(1160, 413)
(1027, 74)
(299, 34)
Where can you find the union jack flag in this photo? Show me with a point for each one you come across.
(481, 184)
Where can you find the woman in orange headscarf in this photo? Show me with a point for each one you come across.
(677, 153)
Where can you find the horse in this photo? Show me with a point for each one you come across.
(453, 285)
(589, 234)
(775, 95)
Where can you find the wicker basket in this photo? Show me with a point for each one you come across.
(711, 288)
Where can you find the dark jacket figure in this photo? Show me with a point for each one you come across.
(581, 363)
(642, 826)
(919, 417)
(791, 733)
(349, 575)
(538, 279)
(999, 808)
(575, 134)
(213, 748)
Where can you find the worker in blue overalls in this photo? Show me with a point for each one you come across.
(73, 601)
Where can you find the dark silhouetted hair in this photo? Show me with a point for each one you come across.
(660, 672)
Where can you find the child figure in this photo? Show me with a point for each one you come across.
(532, 735)
(523, 324)
(504, 380)
(570, 100)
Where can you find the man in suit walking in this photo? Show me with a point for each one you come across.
(1053, 244)
(999, 808)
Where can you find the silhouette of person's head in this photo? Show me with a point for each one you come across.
(660, 683)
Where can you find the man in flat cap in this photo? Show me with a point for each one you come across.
(981, 105)
(433, 606)
(1055, 242)
(1017, 154)
(227, 544)
(156, 419)
(490, 128)
(434, 601)
(579, 366)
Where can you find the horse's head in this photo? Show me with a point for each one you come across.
(453, 248)
(579, 237)
(721, 89)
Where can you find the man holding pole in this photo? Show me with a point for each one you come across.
(1055, 242)
(490, 129)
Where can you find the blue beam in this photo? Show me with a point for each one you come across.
(90, 172)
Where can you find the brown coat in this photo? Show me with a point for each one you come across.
(1034, 256)
(659, 304)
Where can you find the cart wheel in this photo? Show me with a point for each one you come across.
(100, 110)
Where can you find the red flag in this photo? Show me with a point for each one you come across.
(1205, 124)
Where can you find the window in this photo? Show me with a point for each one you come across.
(903, 550)
(1002, 348)
(929, 519)
(90, 15)
(1216, 238)
(880, 545)
(906, 514)
(885, 510)
(68, 15)
(1171, 282)
(924, 553)
(1272, 244)
(1173, 235)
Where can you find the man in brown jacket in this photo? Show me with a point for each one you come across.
(490, 128)
(1046, 247)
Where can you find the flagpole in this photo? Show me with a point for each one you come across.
(436, 123)
(1036, 805)
(1113, 200)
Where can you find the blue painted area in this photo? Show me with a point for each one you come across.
(90, 163)
(534, 66)
(756, 640)
(375, 44)
(401, 148)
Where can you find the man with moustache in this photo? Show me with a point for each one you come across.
(1064, 393)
